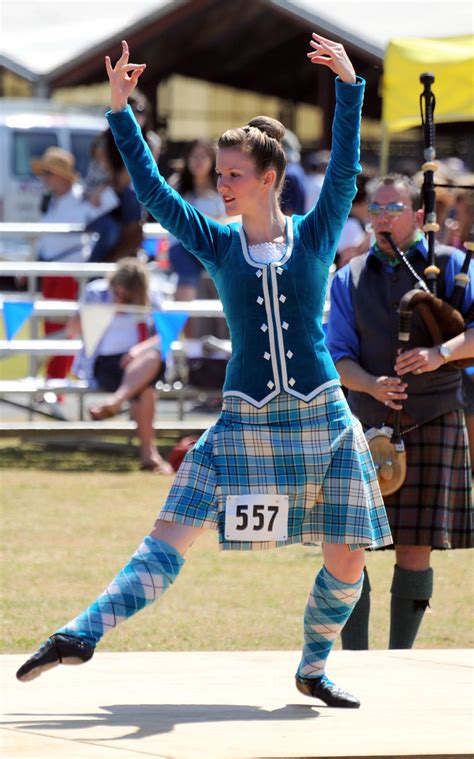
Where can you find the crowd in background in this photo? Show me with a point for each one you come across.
(104, 200)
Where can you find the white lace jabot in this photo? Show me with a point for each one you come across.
(266, 252)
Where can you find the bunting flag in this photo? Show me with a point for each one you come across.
(15, 314)
(168, 326)
(95, 320)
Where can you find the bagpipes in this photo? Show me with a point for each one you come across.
(442, 320)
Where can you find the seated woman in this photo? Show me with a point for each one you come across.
(127, 361)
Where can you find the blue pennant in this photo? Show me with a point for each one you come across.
(168, 325)
(15, 314)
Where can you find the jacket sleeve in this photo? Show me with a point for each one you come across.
(199, 234)
(342, 340)
(322, 226)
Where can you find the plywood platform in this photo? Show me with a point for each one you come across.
(239, 705)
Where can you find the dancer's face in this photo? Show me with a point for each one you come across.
(238, 183)
(401, 226)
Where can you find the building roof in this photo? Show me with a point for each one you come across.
(249, 45)
(16, 68)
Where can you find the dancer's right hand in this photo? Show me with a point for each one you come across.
(121, 84)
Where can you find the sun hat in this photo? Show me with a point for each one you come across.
(59, 162)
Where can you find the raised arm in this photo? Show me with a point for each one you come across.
(323, 225)
(199, 234)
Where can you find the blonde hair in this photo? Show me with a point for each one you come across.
(261, 139)
(132, 275)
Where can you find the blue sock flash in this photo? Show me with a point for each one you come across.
(329, 607)
(151, 570)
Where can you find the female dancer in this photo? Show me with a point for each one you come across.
(286, 462)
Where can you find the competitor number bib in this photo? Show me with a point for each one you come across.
(256, 517)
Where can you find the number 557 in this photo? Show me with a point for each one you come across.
(255, 516)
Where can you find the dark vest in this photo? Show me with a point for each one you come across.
(376, 296)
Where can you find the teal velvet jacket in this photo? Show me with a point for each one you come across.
(274, 311)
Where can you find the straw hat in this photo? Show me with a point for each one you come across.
(57, 161)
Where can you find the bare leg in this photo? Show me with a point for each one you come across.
(414, 558)
(185, 292)
(143, 410)
(137, 375)
(345, 565)
(180, 536)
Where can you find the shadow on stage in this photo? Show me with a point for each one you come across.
(151, 719)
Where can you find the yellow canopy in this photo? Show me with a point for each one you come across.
(451, 60)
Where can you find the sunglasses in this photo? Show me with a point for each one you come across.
(393, 209)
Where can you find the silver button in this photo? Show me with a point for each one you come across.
(291, 381)
(259, 300)
(289, 354)
(270, 385)
(285, 325)
(264, 327)
(279, 270)
(282, 298)
(258, 273)
(266, 356)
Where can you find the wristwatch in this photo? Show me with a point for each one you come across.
(445, 352)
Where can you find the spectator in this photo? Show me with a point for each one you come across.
(196, 183)
(128, 215)
(293, 194)
(127, 361)
(355, 236)
(315, 166)
(459, 231)
(65, 203)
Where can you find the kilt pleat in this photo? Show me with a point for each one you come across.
(315, 453)
(434, 505)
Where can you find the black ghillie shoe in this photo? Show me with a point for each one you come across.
(325, 690)
(58, 649)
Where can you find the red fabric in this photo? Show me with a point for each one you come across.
(61, 288)
(180, 450)
(142, 332)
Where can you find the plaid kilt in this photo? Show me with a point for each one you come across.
(434, 505)
(315, 453)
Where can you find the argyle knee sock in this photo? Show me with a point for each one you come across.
(355, 633)
(151, 570)
(329, 606)
(411, 592)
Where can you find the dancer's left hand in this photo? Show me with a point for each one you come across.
(332, 54)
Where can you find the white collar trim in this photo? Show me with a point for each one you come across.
(283, 260)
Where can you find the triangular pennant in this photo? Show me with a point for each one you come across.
(95, 319)
(168, 325)
(15, 314)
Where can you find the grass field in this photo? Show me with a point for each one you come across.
(71, 520)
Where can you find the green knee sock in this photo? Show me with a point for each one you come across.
(355, 633)
(411, 592)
